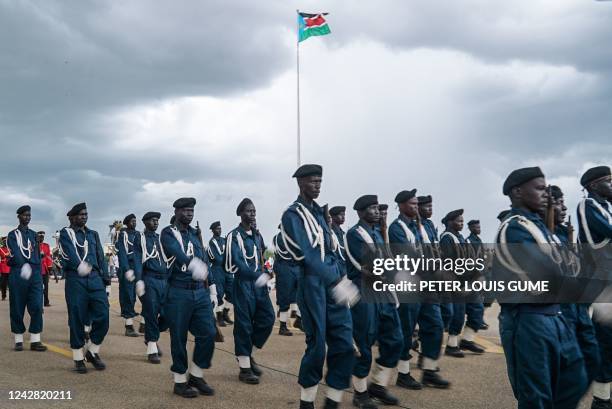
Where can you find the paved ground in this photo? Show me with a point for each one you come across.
(131, 382)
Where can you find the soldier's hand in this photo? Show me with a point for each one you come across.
(26, 271)
(262, 280)
(213, 296)
(140, 288)
(198, 269)
(345, 292)
(84, 268)
(130, 276)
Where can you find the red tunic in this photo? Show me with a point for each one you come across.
(4, 268)
(46, 261)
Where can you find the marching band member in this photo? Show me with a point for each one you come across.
(127, 290)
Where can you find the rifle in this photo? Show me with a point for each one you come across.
(570, 230)
(218, 336)
(550, 211)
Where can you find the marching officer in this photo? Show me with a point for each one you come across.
(127, 290)
(46, 264)
(287, 272)
(4, 267)
(475, 310)
(216, 255)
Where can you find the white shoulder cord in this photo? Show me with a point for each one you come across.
(569, 258)
(365, 236)
(336, 244)
(453, 237)
(289, 241)
(170, 260)
(229, 266)
(424, 234)
(282, 254)
(210, 253)
(75, 243)
(127, 243)
(228, 258)
(585, 224)
(146, 256)
(314, 231)
(407, 231)
(23, 249)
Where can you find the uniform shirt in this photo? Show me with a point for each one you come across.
(248, 267)
(357, 247)
(397, 234)
(341, 251)
(72, 256)
(476, 243)
(125, 250)
(216, 252)
(327, 268)
(431, 230)
(17, 258)
(4, 267)
(598, 224)
(46, 261)
(155, 264)
(450, 248)
(178, 271)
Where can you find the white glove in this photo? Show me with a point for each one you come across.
(198, 268)
(345, 292)
(130, 276)
(213, 296)
(262, 280)
(26, 271)
(271, 285)
(140, 288)
(84, 268)
(108, 290)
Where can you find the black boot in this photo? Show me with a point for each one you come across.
(293, 314)
(38, 346)
(471, 346)
(405, 380)
(18, 346)
(95, 360)
(454, 352)
(362, 400)
(220, 320)
(298, 324)
(382, 394)
(130, 332)
(201, 385)
(247, 376)
(184, 390)
(141, 328)
(306, 405)
(484, 326)
(331, 404)
(219, 336)
(79, 367)
(159, 352)
(154, 358)
(226, 317)
(283, 330)
(255, 368)
(601, 403)
(431, 378)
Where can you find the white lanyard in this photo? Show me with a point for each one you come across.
(23, 249)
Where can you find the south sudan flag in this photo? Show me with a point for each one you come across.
(312, 25)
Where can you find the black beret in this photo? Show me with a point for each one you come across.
(502, 215)
(593, 174)
(242, 205)
(184, 202)
(471, 222)
(129, 217)
(22, 209)
(452, 215)
(365, 201)
(383, 206)
(337, 210)
(215, 225)
(151, 215)
(519, 176)
(308, 170)
(404, 195)
(556, 192)
(76, 209)
(424, 199)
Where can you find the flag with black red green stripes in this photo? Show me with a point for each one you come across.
(312, 25)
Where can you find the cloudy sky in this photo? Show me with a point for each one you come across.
(129, 105)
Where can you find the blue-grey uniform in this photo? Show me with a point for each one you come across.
(253, 310)
(216, 255)
(595, 231)
(404, 231)
(325, 323)
(287, 272)
(25, 292)
(188, 306)
(475, 310)
(85, 295)
(152, 270)
(125, 253)
(340, 237)
(372, 321)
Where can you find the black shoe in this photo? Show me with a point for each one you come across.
(283, 330)
(226, 317)
(255, 368)
(471, 346)
(362, 400)
(293, 314)
(184, 390)
(454, 352)
(220, 320)
(159, 352)
(201, 385)
(330, 404)
(382, 394)
(95, 360)
(298, 324)
(432, 379)
(86, 336)
(415, 345)
(130, 332)
(306, 405)
(47, 304)
(18, 346)
(219, 336)
(247, 376)
(79, 367)
(38, 346)
(141, 328)
(601, 403)
(405, 380)
(484, 326)
(154, 358)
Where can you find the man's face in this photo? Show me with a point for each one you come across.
(382, 215)
(24, 217)
(40, 237)
(603, 188)
(339, 219)
(184, 215)
(248, 215)
(457, 223)
(310, 186)
(533, 194)
(131, 223)
(560, 210)
(410, 207)
(217, 231)
(426, 210)
(80, 219)
(371, 214)
(151, 224)
(475, 229)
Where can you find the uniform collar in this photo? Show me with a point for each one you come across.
(527, 214)
(405, 219)
(597, 198)
(314, 205)
(368, 229)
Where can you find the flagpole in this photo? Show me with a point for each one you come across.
(299, 141)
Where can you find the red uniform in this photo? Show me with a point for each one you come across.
(46, 261)
(4, 253)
